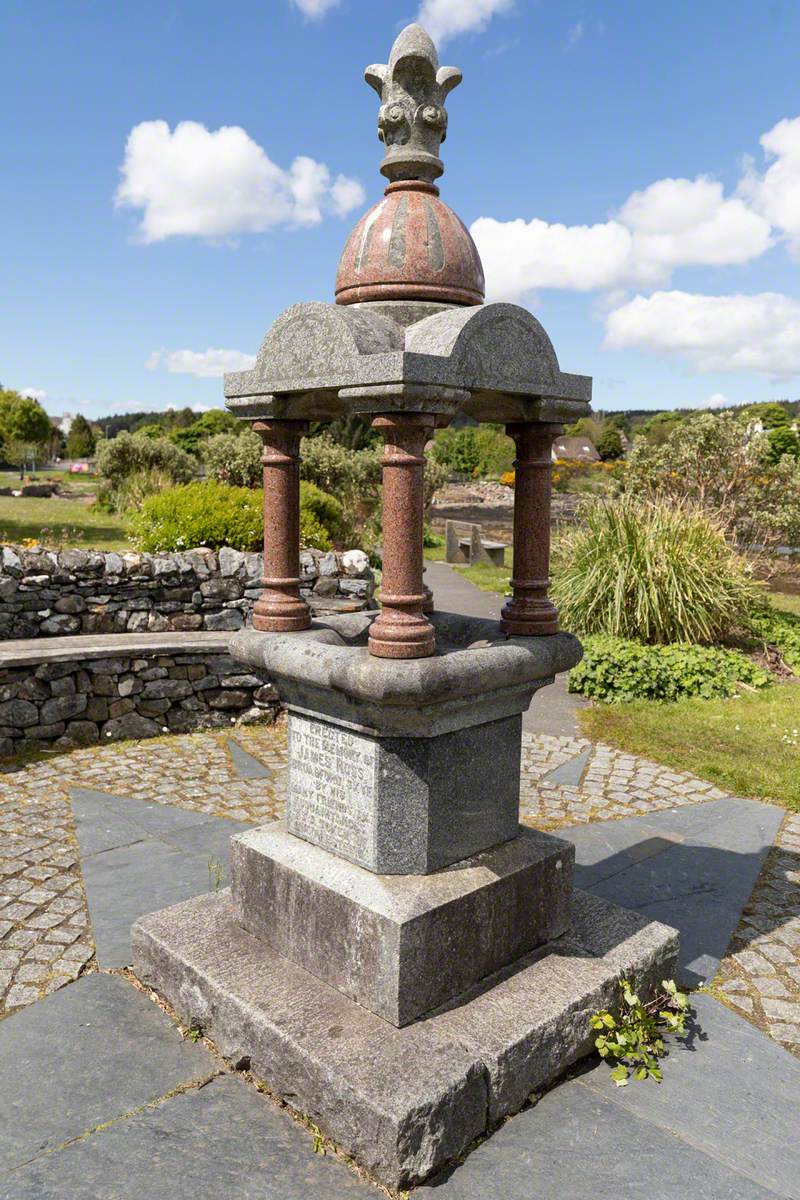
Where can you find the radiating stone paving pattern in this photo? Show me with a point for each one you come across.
(760, 978)
(613, 785)
(45, 938)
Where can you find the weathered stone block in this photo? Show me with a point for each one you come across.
(403, 1102)
(20, 713)
(400, 805)
(230, 619)
(62, 708)
(402, 944)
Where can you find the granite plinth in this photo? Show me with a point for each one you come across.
(400, 945)
(403, 1102)
(401, 806)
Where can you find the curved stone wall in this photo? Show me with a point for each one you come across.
(67, 692)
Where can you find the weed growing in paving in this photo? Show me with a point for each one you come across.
(635, 1038)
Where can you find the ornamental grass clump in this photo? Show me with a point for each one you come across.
(654, 571)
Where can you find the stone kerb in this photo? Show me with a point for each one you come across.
(66, 692)
(47, 593)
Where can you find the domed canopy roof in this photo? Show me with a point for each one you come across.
(410, 246)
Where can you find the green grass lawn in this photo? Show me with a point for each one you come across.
(66, 523)
(784, 602)
(484, 576)
(746, 745)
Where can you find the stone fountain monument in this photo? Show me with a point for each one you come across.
(399, 959)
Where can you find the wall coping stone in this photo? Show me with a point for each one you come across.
(27, 651)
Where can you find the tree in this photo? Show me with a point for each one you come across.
(150, 431)
(781, 440)
(25, 429)
(80, 439)
(609, 446)
(770, 414)
(661, 426)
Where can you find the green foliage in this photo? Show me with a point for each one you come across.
(215, 514)
(770, 414)
(781, 629)
(152, 431)
(131, 464)
(716, 464)
(651, 571)
(781, 440)
(80, 439)
(353, 432)
(23, 422)
(634, 1038)
(216, 421)
(616, 670)
(659, 428)
(234, 460)
(609, 446)
(474, 449)
(199, 514)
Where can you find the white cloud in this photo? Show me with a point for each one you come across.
(215, 184)
(671, 223)
(574, 36)
(207, 364)
(776, 192)
(34, 394)
(715, 400)
(445, 19)
(314, 10)
(759, 333)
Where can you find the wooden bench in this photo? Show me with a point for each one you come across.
(464, 544)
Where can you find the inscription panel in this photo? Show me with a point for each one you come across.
(332, 788)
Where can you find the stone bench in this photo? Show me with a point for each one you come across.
(62, 692)
(464, 544)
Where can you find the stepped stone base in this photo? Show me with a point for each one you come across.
(401, 945)
(402, 1101)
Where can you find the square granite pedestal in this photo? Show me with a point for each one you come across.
(401, 961)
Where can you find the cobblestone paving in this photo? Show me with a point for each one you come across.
(45, 939)
(761, 976)
(613, 784)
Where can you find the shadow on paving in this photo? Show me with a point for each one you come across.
(137, 857)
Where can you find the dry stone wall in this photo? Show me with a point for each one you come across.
(66, 704)
(47, 593)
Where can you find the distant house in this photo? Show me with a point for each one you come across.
(575, 449)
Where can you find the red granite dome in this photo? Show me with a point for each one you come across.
(410, 246)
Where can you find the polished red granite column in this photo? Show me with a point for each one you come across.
(279, 609)
(530, 612)
(401, 629)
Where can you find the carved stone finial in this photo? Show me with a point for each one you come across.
(412, 122)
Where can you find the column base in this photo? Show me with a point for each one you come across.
(413, 637)
(402, 1102)
(539, 619)
(286, 616)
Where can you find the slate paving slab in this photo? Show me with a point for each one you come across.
(138, 857)
(247, 766)
(85, 1055)
(722, 1124)
(693, 868)
(222, 1142)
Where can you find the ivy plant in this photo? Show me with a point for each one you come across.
(634, 1038)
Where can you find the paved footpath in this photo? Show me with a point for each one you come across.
(101, 1097)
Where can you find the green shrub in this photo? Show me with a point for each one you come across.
(474, 449)
(128, 455)
(214, 514)
(615, 670)
(200, 514)
(782, 630)
(654, 572)
(234, 458)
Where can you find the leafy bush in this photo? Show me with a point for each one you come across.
(714, 462)
(781, 630)
(127, 455)
(591, 478)
(214, 514)
(609, 446)
(634, 1037)
(234, 459)
(654, 572)
(474, 449)
(781, 440)
(200, 514)
(615, 670)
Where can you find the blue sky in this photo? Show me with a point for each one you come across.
(607, 156)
